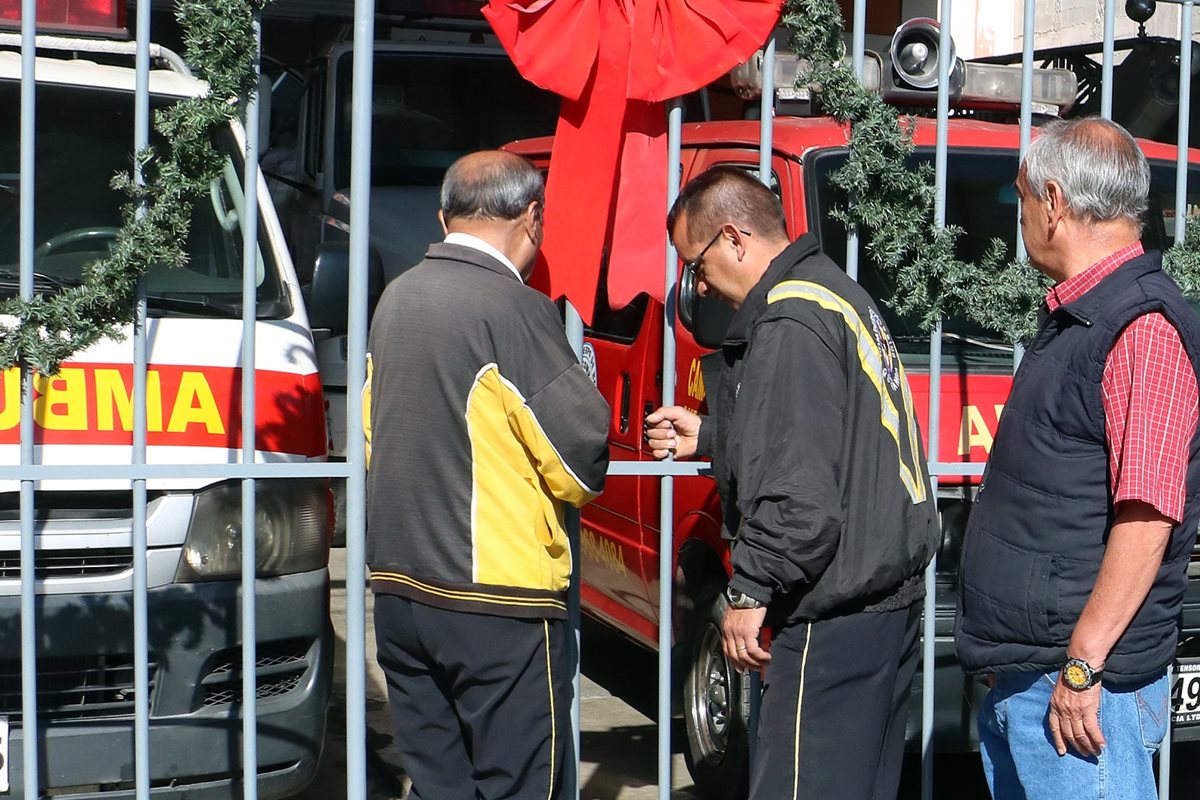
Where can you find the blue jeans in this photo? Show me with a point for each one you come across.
(1019, 758)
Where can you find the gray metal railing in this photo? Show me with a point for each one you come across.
(29, 473)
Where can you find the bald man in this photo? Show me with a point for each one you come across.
(482, 427)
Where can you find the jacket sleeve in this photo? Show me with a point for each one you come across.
(563, 419)
(565, 428)
(790, 406)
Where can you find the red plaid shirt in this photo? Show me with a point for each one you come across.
(1151, 399)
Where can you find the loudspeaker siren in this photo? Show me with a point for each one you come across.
(915, 51)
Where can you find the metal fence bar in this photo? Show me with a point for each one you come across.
(315, 469)
(1181, 180)
(1106, 83)
(766, 146)
(1164, 752)
(666, 505)
(928, 640)
(859, 50)
(766, 117)
(356, 359)
(249, 439)
(573, 326)
(29, 721)
(141, 647)
(1026, 128)
(282, 469)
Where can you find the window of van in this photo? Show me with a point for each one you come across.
(429, 109)
(77, 212)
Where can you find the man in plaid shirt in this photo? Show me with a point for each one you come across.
(1075, 559)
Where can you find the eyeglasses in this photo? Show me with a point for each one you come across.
(693, 266)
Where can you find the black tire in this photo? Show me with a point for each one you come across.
(716, 707)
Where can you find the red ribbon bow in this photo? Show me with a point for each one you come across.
(614, 62)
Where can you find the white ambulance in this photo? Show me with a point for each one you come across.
(83, 415)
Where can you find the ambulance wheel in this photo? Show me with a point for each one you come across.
(716, 707)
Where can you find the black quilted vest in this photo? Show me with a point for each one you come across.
(1038, 530)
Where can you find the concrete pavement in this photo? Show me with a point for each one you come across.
(619, 743)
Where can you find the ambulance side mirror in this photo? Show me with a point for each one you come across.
(327, 297)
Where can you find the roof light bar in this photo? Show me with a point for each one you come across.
(907, 76)
(984, 85)
(747, 77)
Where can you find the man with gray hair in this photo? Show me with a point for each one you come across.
(1074, 563)
(482, 426)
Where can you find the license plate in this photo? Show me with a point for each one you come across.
(1185, 695)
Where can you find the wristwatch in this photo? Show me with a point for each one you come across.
(1079, 674)
(740, 599)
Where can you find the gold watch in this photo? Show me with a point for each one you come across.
(1079, 674)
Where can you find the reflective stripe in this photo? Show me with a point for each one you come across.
(799, 709)
(553, 719)
(455, 594)
(872, 365)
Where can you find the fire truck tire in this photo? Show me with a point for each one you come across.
(716, 706)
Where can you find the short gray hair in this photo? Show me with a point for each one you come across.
(1102, 171)
(499, 190)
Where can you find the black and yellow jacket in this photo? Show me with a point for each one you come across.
(482, 425)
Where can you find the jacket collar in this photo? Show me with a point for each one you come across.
(756, 300)
(1091, 305)
(469, 255)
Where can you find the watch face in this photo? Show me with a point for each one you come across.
(1075, 675)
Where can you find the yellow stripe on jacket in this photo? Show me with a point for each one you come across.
(519, 485)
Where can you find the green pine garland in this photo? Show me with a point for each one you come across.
(893, 205)
(220, 45)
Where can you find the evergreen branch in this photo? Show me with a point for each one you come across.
(220, 45)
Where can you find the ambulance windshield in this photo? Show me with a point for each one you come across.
(980, 200)
(84, 136)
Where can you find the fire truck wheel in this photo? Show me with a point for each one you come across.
(716, 705)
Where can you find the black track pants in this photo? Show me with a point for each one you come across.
(834, 707)
(481, 704)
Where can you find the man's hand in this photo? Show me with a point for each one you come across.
(739, 636)
(672, 430)
(1074, 720)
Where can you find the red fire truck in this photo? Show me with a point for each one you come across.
(620, 537)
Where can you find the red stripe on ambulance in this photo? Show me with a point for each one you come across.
(90, 403)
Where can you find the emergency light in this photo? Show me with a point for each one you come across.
(84, 17)
(907, 75)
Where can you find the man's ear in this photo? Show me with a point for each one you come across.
(442, 222)
(1055, 202)
(532, 220)
(737, 237)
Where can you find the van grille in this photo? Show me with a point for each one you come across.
(51, 506)
(77, 563)
(76, 687)
(279, 667)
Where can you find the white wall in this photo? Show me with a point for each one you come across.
(983, 28)
(1064, 22)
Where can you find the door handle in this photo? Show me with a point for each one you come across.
(623, 420)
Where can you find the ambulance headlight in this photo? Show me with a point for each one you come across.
(292, 521)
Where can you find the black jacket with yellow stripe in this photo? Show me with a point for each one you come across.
(482, 425)
(815, 447)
